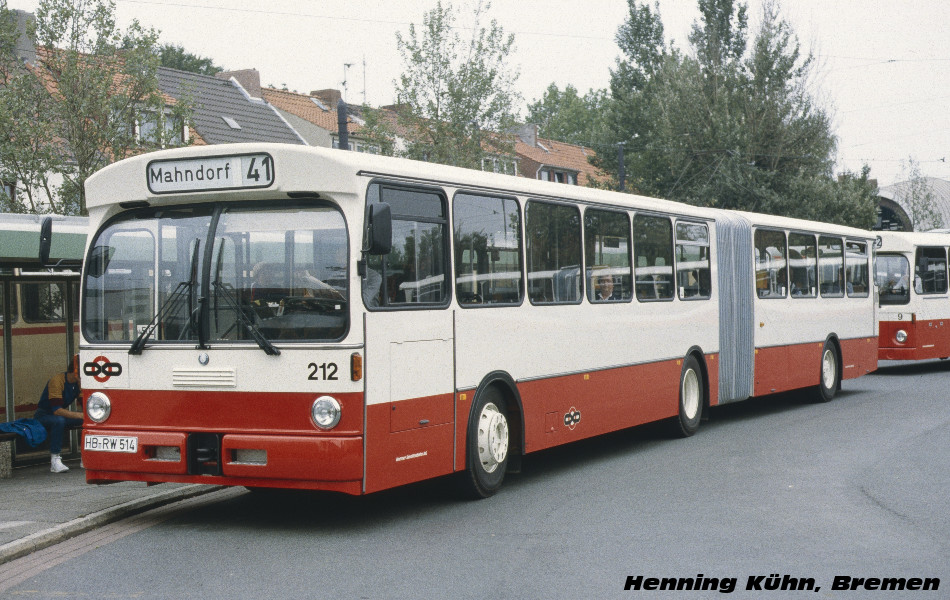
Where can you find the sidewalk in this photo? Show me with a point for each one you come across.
(39, 508)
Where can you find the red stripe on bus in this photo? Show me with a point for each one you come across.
(40, 330)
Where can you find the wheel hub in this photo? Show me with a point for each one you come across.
(492, 438)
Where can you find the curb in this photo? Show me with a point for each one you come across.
(54, 535)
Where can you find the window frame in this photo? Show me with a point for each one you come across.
(902, 299)
(841, 279)
(587, 266)
(755, 243)
(867, 266)
(672, 254)
(917, 264)
(676, 261)
(447, 258)
(788, 247)
(520, 252)
(580, 250)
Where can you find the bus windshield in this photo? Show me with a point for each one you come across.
(893, 277)
(218, 275)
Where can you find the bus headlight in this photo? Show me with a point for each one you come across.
(325, 412)
(901, 336)
(98, 407)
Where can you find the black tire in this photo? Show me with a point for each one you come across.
(691, 398)
(830, 372)
(488, 443)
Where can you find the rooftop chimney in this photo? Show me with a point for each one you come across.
(528, 133)
(25, 50)
(329, 97)
(249, 79)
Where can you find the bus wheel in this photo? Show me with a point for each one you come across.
(830, 380)
(488, 444)
(691, 398)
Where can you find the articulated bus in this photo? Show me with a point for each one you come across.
(292, 317)
(914, 313)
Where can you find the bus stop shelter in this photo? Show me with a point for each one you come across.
(38, 309)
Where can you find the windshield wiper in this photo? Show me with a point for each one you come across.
(249, 326)
(184, 289)
(170, 306)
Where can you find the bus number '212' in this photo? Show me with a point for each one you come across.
(322, 372)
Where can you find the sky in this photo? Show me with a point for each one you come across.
(883, 66)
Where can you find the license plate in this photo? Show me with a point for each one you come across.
(111, 443)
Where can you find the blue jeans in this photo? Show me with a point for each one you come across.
(56, 427)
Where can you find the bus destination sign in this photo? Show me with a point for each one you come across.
(245, 171)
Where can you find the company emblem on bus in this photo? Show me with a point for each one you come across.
(245, 171)
(572, 418)
(101, 369)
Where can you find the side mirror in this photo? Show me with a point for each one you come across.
(46, 240)
(379, 230)
(99, 258)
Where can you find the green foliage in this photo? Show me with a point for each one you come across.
(90, 86)
(567, 117)
(27, 153)
(176, 57)
(733, 124)
(378, 130)
(917, 198)
(452, 89)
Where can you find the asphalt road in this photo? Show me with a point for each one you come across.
(858, 487)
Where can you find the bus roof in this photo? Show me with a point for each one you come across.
(126, 181)
(906, 241)
(763, 220)
(158, 178)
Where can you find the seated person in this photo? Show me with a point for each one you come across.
(53, 410)
(604, 289)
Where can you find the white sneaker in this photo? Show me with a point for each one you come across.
(56, 464)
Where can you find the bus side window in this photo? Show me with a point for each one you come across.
(931, 271)
(803, 265)
(693, 274)
(553, 252)
(653, 252)
(414, 272)
(830, 266)
(771, 264)
(607, 256)
(857, 273)
(487, 243)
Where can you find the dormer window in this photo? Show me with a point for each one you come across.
(558, 175)
(357, 146)
(495, 164)
(161, 129)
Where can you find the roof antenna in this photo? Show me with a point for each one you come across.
(345, 67)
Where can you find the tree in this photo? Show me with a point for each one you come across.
(176, 57)
(28, 158)
(733, 124)
(628, 110)
(917, 197)
(454, 90)
(99, 84)
(378, 129)
(567, 117)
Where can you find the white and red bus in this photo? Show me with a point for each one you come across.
(283, 316)
(914, 313)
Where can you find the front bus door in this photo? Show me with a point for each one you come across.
(409, 367)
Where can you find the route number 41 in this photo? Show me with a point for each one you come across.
(254, 170)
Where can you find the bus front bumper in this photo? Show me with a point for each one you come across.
(253, 460)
